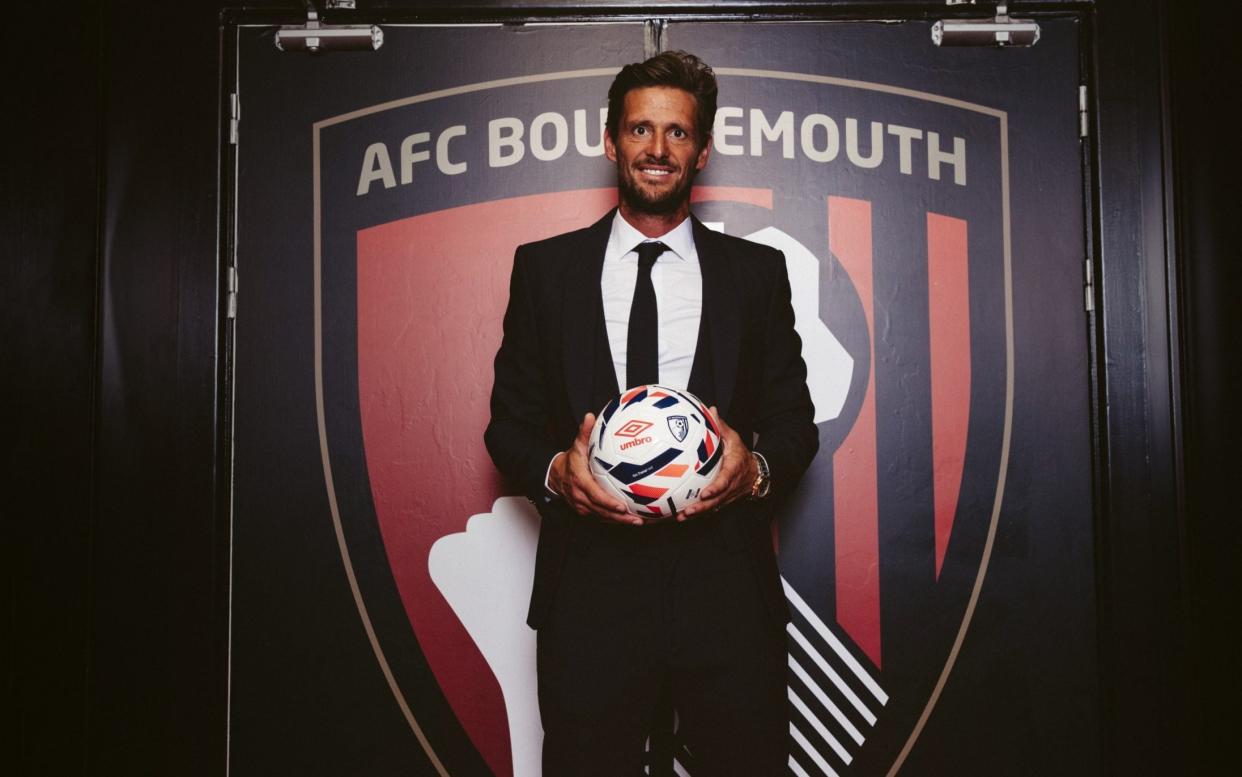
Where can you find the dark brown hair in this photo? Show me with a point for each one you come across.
(675, 69)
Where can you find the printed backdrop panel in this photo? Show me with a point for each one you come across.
(337, 668)
(932, 226)
(954, 502)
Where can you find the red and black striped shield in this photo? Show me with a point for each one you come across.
(901, 302)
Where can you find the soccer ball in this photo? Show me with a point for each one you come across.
(655, 448)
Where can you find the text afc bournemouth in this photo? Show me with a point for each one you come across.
(549, 136)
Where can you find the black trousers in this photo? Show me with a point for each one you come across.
(667, 611)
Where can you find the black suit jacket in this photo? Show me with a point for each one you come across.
(554, 366)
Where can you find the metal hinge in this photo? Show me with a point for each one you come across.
(230, 296)
(1000, 30)
(315, 36)
(1088, 286)
(1082, 111)
(234, 117)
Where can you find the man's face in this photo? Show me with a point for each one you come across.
(656, 149)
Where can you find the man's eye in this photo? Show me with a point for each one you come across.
(679, 134)
(640, 130)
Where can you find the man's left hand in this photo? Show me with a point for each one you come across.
(738, 471)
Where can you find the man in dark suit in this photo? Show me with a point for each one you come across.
(690, 609)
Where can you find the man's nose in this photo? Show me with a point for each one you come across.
(658, 146)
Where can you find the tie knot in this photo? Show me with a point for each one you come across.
(648, 252)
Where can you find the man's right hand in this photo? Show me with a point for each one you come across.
(571, 478)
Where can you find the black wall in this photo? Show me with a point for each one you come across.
(1206, 73)
(114, 639)
(115, 551)
(49, 209)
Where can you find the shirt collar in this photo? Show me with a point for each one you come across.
(624, 237)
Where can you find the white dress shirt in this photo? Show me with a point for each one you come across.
(678, 284)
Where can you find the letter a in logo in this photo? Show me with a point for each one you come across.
(679, 426)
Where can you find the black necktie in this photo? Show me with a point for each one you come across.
(642, 350)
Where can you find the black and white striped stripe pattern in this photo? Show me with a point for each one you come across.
(834, 699)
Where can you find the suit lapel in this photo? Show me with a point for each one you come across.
(583, 309)
(583, 323)
(720, 314)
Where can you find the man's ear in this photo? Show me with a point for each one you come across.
(610, 147)
(704, 153)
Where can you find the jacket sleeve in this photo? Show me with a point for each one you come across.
(518, 436)
(785, 422)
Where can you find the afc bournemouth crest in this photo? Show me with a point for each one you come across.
(679, 426)
(891, 207)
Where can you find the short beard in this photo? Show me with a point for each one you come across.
(639, 202)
